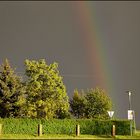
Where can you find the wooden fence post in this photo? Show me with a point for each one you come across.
(113, 130)
(39, 129)
(0, 129)
(77, 130)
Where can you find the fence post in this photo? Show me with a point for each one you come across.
(39, 129)
(77, 130)
(113, 130)
(0, 129)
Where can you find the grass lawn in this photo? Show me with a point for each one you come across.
(58, 136)
(51, 136)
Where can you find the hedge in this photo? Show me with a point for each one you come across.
(64, 126)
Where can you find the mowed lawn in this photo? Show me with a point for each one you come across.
(58, 136)
(51, 136)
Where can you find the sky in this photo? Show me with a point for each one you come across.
(95, 43)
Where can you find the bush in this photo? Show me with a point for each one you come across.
(19, 126)
(57, 126)
(64, 126)
(122, 127)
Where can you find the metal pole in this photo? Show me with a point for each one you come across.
(134, 122)
(130, 107)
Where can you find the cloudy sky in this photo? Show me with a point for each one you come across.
(95, 44)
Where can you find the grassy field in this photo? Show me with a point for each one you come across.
(58, 136)
(16, 136)
(10, 136)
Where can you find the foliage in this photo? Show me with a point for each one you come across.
(93, 103)
(64, 126)
(120, 125)
(11, 92)
(98, 103)
(77, 104)
(46, 93)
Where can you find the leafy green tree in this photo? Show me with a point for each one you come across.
(93, 103)
(98, 103)
(45, 91)
(11, 92)
(77, 104)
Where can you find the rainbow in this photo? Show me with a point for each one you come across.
(93, 41)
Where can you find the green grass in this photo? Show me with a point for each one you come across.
(135, 136)
(51, 136)
(60, 136)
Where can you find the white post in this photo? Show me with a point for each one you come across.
(129, 94)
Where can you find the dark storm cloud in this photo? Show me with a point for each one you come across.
(119, 22)
(50, 30)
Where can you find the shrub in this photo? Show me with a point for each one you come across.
(19, 126)
(64, 126)
(122, 127)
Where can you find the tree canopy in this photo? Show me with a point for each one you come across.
(45, 91)
(94, 103)
(77, 104)
(11, 92)
(43, 94)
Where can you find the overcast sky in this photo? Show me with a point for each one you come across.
(52, 30)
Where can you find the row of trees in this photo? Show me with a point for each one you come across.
(43, 94)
